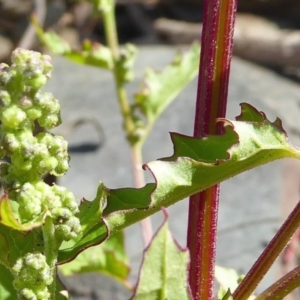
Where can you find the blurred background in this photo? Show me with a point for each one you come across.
(267, 34)
(267, 31)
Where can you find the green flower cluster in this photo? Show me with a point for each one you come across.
(21, 101)
(32, 277)
(22, 107)
(31, 154)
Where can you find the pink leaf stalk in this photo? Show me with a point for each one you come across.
(215, 59)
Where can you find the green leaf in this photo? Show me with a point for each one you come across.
(228, 280)
(200, 163)
(227, 296)
(197, 163)
(93, 54)
(109, 259)
(159, 89)
(7, 291)
(14, 244)
(90, 215)
(61, 291)
(163, 274)
(125, 64)
(8, 216)
(90, 212)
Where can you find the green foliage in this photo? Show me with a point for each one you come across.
(29, 245)
(196, 164)
(228, 280)
(7, 291)
(163, 273)
(32, 276)
(43, 226)
(159, 89)
(109, 258)
(92, 54)
(249, 141)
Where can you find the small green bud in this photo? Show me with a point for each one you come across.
(70, 202)
(5, 98)
(27, 294)
(18, 266)
(69, 230)
(49, 121)
(61, 214)
(58, 145)
(62, 167)
(13, 116)
(32, 271)
(34, 113)
(47, 165)
(5, 74)
(34, 263)
(42, 294)
(10, 143)
(21, 162)
(35, 80)
(23, 58)
(29, 200)
(45, 138)
(47, 103)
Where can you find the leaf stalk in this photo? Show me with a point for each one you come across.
(51, 247)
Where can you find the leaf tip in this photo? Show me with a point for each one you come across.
(250, 113)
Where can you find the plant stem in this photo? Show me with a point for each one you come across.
(282, 287)
(51, 251)
(135, 147)
(269, 255)
(110, 28)
(217, 41)
(112, 42)
(139, 181)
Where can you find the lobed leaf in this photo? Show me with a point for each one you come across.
(159, 89)
(164, 270)
(197, 163)
(94, 230)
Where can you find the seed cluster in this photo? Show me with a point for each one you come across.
(30, 155)
(32, 276)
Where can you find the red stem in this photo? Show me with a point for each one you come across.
(282, 287)
(268, 256)
(217, 42)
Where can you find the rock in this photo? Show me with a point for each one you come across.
(250, 211)
(93, 286)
